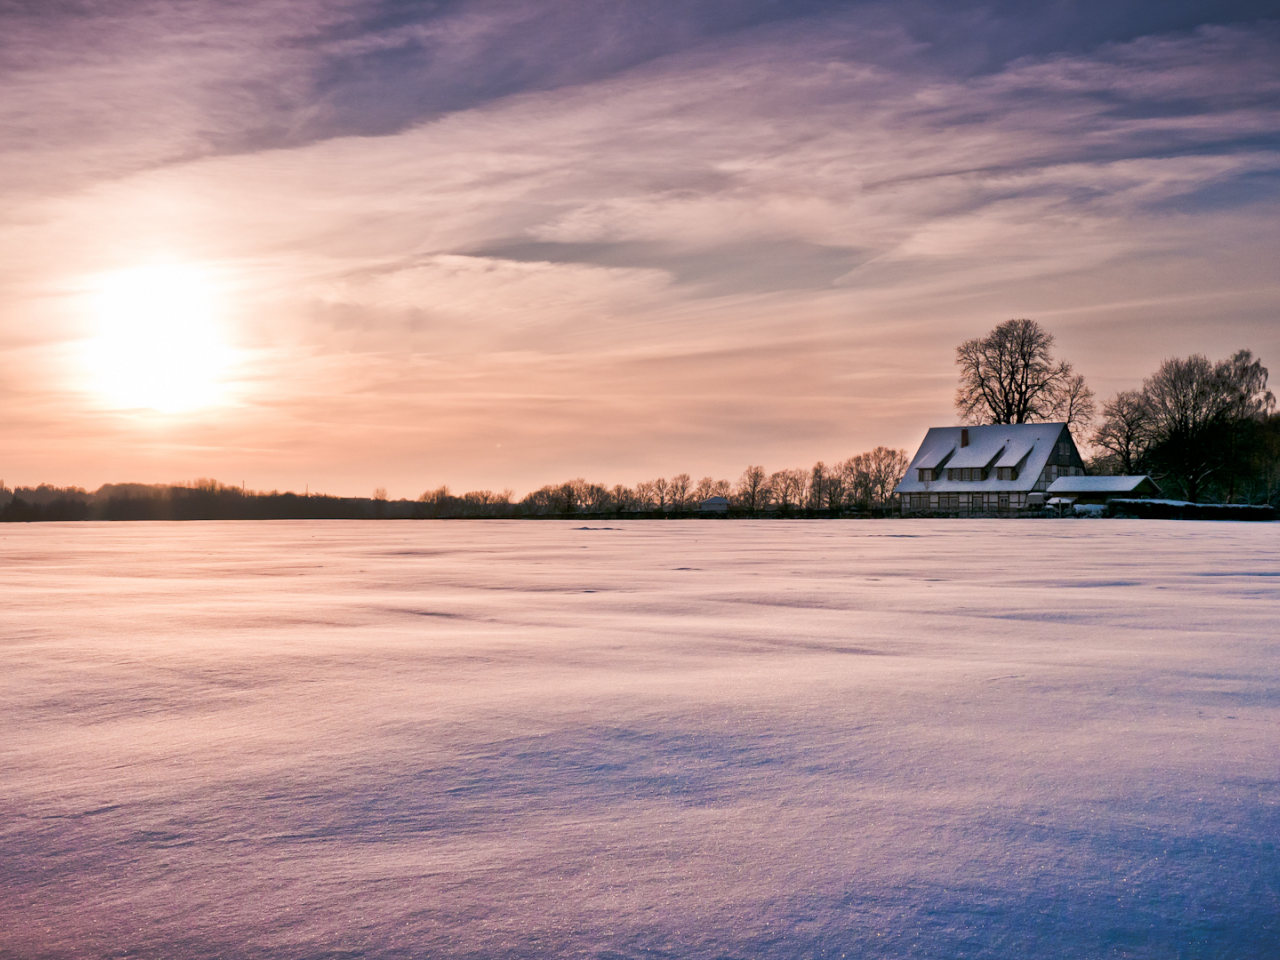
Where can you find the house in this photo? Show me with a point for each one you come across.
(714, 505)
(988, 470)
(1081, 490)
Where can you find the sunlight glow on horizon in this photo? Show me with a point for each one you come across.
(158, 339)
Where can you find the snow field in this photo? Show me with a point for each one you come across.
(640, 739)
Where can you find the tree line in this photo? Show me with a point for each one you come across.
(199, 500)
(1204, 430)
(861, 484)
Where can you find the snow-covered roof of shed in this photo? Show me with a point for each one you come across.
(1030, 441)
(1099, 484)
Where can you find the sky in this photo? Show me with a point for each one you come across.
(345, 244)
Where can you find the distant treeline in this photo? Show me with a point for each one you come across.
(860, 486)
(202, 500)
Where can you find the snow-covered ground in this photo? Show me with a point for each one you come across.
(705, 739)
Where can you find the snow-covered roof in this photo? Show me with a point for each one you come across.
(936, 450)
(982, 451)
(1003, 445)
(1014, 453)
(1079, 485)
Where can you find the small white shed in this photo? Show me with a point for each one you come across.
(714, 505)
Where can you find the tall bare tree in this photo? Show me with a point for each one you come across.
(817, 486)
(662, 493)
(1010, 376)
(751, 490)
(857, 481)
(678, 491)
(836, 487)
(1125, 433)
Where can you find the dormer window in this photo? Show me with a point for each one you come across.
(1006, 473)
(927, 475)
(968, 474)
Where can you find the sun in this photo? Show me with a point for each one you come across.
(157, 340)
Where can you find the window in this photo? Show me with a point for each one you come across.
(1006, 473)
(968, 474)
(926, 475)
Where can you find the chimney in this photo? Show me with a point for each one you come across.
(964, 436)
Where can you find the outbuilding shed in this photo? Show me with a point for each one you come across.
(1102, 489)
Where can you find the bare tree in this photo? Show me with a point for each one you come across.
(1074, 405)
(1125, 433)
(646, 495)
(435, 501)
(479, 503)
(787, 488)
(857, 481)
(679, 491)
(541, 501)
(1246, 380)
(1198, 411)
(817, 486)
(594, 497)
(1010, 376)
(569, 495)
(661, 494)
(624, 498)
(836, 487)
(751, 489)
(885, 467)
(439, 495)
